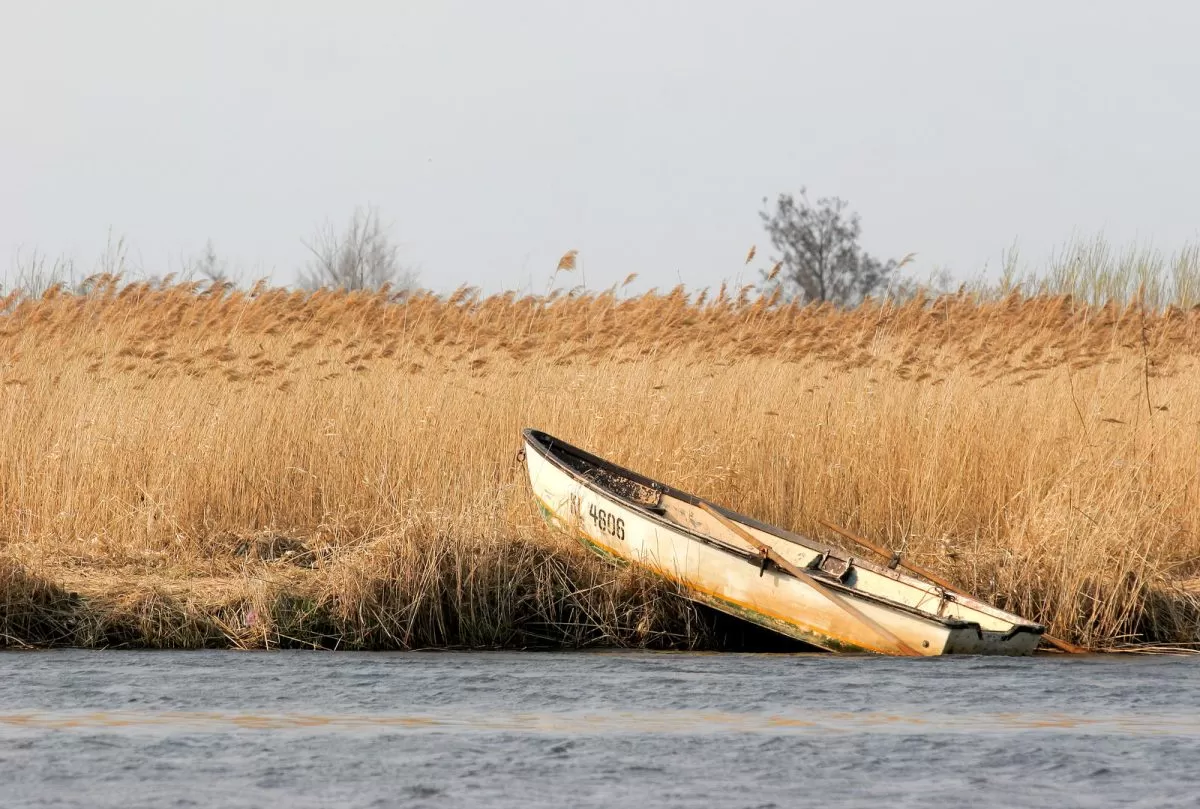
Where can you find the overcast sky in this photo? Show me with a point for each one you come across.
(495, 136)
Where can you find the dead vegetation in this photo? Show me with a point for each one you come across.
(186, 467)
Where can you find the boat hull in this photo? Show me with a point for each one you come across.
(713, 573)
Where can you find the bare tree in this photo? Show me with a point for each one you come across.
(362, 256)
(211, 267)
(821, 257)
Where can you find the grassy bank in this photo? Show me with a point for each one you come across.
(270, 468)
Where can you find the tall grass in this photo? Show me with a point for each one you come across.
(1094, 272)
(258, 468)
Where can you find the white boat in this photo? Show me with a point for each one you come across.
(777, 579)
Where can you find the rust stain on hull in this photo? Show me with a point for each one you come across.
(719, 601)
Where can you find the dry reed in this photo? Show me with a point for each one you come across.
(256, 468)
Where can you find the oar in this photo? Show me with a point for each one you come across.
(938, 580)
(900, 646)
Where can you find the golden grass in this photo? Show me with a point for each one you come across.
(264, 467)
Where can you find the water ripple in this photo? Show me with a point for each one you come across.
(125, 730)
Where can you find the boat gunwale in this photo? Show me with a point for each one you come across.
(547, 445)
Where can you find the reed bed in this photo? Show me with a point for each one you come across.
(259, 468)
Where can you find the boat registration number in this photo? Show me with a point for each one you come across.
(606, 521)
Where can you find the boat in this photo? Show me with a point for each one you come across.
(780, 580)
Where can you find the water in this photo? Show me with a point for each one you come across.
(159, 729)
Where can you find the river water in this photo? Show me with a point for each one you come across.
(161, 729)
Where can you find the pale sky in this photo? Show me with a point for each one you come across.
(495, 136)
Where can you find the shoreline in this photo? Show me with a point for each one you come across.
(37, 616)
